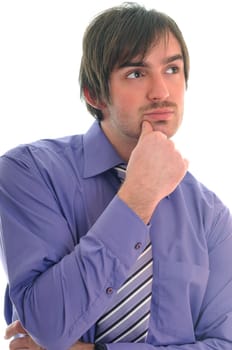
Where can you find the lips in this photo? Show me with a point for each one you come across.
(159, 114)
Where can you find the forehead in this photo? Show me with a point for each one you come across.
(166, 50)
(162, 52)
(166, 45)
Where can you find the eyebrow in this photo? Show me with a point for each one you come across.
(173, 58)
(166, 60)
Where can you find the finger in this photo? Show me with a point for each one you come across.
(146, 128)
(22, 343)
(13, 329)
(19, 343)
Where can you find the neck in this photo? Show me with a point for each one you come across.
(124, 152)
(123, 148)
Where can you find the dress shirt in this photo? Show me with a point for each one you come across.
(68, 243)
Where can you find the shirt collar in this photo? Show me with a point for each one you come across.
(99, 154)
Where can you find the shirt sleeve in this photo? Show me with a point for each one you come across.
(59, 289)
(198, 345)
(213, 329)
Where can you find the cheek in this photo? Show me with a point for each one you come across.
(123, 98)
(122, 93)
(125, 104)
(179, 97)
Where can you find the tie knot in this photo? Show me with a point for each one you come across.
(121, 171)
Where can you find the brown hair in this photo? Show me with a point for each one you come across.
(116, 36)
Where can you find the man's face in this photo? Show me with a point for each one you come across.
(152, 89)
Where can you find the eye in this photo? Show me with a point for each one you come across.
(172, 70)
(135, 74)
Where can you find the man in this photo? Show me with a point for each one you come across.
(99, 262)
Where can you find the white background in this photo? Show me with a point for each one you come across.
(40, 49)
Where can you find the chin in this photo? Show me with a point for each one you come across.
(165, 129)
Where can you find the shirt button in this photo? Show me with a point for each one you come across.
(109, 290)
(138, 245)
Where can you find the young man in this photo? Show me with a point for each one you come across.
(99, 262)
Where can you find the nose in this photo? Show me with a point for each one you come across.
(157, 89)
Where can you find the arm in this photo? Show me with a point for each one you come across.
(59, 286)
(210, 330)
(213, 328)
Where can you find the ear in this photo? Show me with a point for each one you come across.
(91, 101)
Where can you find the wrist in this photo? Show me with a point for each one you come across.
(141, 208)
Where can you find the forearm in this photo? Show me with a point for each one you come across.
(57, 297)
(207, 344)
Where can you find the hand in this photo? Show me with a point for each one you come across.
(154, 170)
(28, 343)
(24, 342)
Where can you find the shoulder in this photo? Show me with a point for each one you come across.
(49, 159)
(196, 189)
(45, 150)
(205, 206)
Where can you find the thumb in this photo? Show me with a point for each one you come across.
(146, 128)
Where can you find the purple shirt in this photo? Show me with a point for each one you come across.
(68, 243)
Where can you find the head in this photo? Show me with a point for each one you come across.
(115, 37)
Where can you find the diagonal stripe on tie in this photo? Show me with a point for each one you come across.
(126, 320)
(121, 172)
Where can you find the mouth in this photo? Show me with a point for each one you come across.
(159, 115)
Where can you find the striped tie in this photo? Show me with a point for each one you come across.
(120, 172)
(126, 320)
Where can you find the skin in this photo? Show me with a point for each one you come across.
(147, 104)
(145, 111)
(152, 90)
